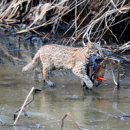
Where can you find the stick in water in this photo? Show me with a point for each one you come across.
(68, 115)
(23, 105)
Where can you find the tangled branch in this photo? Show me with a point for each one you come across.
(89, 19)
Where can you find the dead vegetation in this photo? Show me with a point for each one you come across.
(88, 19)
(78, 20)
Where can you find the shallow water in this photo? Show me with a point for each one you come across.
(98, 110)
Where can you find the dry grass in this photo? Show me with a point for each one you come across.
(88, 20)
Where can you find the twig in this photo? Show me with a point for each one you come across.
(124, 47)
(112, 2)
(23, 105)
(16, 113)
(68, 115)
(94, 22)
(113, 76)
(75, 18)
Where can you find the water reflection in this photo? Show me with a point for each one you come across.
(94, 110)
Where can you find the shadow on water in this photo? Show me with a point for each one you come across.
(97, 110)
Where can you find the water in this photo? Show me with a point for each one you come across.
(98, 110)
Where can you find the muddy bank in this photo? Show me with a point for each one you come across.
(19, 50)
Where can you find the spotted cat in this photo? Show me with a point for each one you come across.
(58, 56)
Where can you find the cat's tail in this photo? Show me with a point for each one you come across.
(33, 63)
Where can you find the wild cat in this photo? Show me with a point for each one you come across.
(58, 56)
